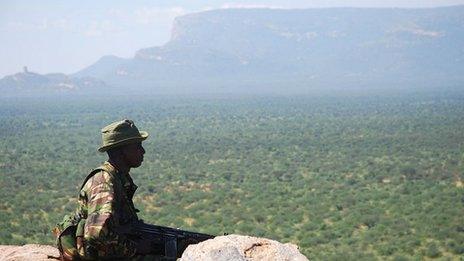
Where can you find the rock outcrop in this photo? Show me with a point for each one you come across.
(236, 247)
(29, 252)
(30, 82)
(230, 248)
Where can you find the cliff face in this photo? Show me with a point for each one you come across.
(249, 48)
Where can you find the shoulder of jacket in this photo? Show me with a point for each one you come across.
(98, 176)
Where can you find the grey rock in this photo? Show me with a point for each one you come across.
(237, 247)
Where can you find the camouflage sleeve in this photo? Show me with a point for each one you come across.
(99, 235)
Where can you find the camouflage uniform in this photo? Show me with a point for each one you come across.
(105, 205)
(105, 201)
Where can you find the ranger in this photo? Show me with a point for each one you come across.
(105, 203)
(105, 224)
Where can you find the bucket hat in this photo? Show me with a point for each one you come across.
(120, 133)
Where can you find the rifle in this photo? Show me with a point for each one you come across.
(167, 236)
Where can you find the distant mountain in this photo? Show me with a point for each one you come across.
(276, 50)
(272, 49)
(30, 82)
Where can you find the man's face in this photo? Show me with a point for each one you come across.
(133, 154)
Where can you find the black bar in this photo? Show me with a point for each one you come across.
(170, 247)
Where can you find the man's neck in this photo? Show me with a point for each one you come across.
(119, 165)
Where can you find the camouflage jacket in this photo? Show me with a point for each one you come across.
(105, 201)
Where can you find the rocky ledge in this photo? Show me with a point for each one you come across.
(231, 247)
(29, 252)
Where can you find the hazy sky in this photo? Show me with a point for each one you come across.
(66, 36)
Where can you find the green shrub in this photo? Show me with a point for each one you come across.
(432, 251)
(455, 248)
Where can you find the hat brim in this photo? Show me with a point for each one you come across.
(143, 136)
